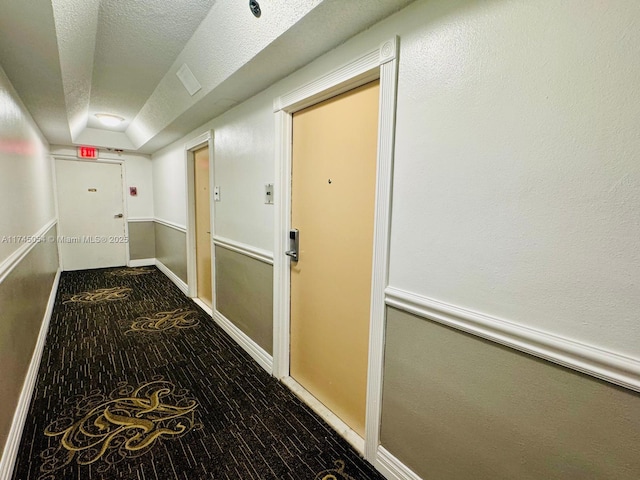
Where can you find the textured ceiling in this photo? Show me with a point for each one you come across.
(136, 43)
(71, 59)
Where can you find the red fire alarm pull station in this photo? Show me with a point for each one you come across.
(133, 191)
(87, 152)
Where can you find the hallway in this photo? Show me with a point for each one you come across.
(137, 382)
(471, 274)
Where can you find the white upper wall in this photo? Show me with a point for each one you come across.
(138, 172)
(516, 187)
(26, 184)
(243, 152)
(169, 185)
(517, 180)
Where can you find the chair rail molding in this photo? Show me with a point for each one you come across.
(175, 226)
(28, 243)
(599, 363)
(256, 253)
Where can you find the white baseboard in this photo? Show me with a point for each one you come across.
(335, 422)
(252, 348)
(392, 468)
(173, 277)
(203, 306)
(143, 262)
(15, 433)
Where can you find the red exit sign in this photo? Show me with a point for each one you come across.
(87, 152)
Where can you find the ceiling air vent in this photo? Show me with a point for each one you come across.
(188, 80)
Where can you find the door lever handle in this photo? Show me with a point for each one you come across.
(293, 254)
(118, 215)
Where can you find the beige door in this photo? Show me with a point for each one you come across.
(333, 196)
(91, 214)
(203, 224)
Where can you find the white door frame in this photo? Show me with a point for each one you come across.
(125, 212)
(204, 140)
(382, 64)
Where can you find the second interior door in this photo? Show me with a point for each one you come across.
(203, 225)
(333, 198)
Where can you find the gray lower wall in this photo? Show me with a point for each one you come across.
(23, 301)
(142, 240)
(244, 294)
(458, 407)
(171, 249)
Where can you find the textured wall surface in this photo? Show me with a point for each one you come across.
(459, 407)
(244, 295)
(23, 301)
(516, 179)
(171, 249)
(26, 206)
(515, 193)
(26, 188)
(169, 186)
(142, 240)
(243, 148)
(139, 174)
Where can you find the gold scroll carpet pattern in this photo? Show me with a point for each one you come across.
(336, 473)
(164, 321)
(131, 272)
(137, 382)
(100, 295)
(109, 429)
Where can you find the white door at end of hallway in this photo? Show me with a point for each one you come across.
(91, 215)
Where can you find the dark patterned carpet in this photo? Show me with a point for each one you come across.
(136, 382)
